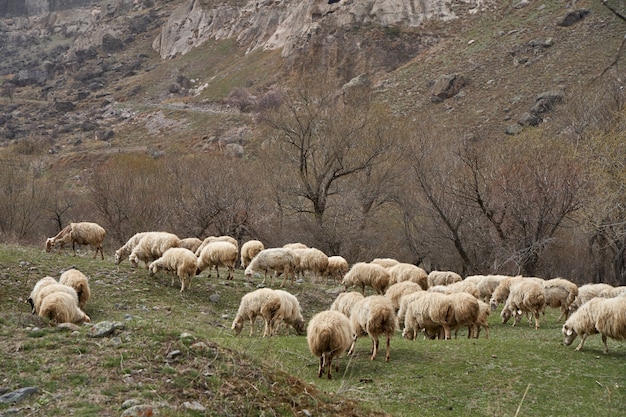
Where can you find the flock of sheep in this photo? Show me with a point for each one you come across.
(407, 297)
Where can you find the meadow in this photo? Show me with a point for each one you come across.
(177, 349)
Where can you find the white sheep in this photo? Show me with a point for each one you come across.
(126, 249)
(501, 293)
(39, 285)
(152, 246)
(463, 286)
(442, 278)
(311, 260)
(344, 303)
(61, 307)
(429, 311)
(337, 267)
(191, 243)
(249, 250)
(405, 300)
(329, 335)
(588, 291)
(560, 293)
(400, 289)
(606, 316)
(385, 262)
(277, 260)
(483, 317)
(465, 312)
(263, 302)
(408, 272)
(525, 296)
(216, 254)
(211, 239)
(373, 316)
(79, 281)
(295, 245)
(367, 274)
(486, 284)
(180, 262)
(44, 291)
(289, 312)
(613, 292)
(82, 233)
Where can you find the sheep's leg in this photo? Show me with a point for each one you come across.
(582, 341)
(374, 347)
(252, 320)
(217, 271)
(321, 368)
(231, 270)
(351, 351)
(536, 314)
(329, 359)
(606, 346)
(388, 356)
(446, 331)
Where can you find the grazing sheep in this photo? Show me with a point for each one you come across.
(329, 335)
(463, 286)
(373, 316)
(277, 260)
(442, 278)
(216, 254)
(249, 250)
(181, 262)
(465, 312)
(373, 275)
(337, 267)
(483, 317)
(405, 300)
(344, 303)
(46, 290)
(606, 316)
(560, 293)
(385, 262)
(59, 237)
(211, 239)
(501, 293)
(263, 302)
(526, 296)
(312, 260)
(587, 292)
(408, 272)
(126, 249)
(613, 292)
(39, 285)
(429, 311)
(191, 243)
(77, 280)
(486, 284)
(296, 245)
(83, 233)
(397, 291)
(152, 246)
(60, 307)
(289, 312)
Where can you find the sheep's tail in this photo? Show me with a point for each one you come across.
(386, 322)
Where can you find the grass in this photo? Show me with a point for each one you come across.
(517, 372)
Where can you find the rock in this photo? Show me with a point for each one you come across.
(174, 354)
(105, 328)
(194, 406)
(448, 86)
(68, 326)
(18, 395)
(111, 44)
(573, 17)
(214, 298)
(514, 129)
(529, 119)
(546, 101)
(143, 410)
(130, 403)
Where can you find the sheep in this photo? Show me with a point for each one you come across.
(429, 311)
(337, 267)
(613, 292)
(587, 292)
(606, 316)
(311, 260)
(39, 285)
(483, 317)
(45, 290)
(83, 233)
(77, 280)
(560, 293)
(218, 253)
(191, 243)
(465, 312)
(328, 336)
(179, 261)
(263, 302)
(59, 237)
(295, 245)
(463, 286)
(152, 246)
(346, 301)
(408, 272)
(126, 249)
(397, 291)
(486, 284)
(405, 300)
(278, 260)
(385, 262)
(289, 312)
(373, 316)
(211, 239)
(502, 291)
(373, 275)
(61, 307)
(442, 278)
(526, 296)
(249, 250)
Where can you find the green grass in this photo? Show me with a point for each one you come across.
(518, 371)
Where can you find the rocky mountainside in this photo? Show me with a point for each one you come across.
(89, 76)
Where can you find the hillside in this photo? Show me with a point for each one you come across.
(101, 85)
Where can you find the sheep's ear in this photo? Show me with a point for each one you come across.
(568, 332)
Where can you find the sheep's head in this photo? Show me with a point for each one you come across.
(506, 314)
(569, 334)
(298, 325)
(237, 325)
(133, 260)
(118, 257)
(408, 334)
(49, 244)
(493, 303)
(248, 273)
